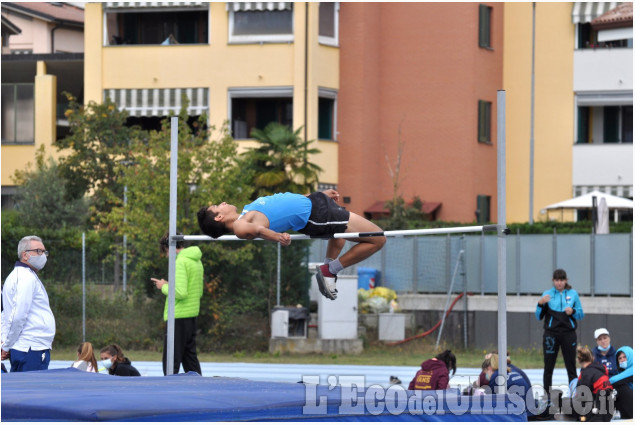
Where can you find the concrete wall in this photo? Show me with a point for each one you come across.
(523, 329)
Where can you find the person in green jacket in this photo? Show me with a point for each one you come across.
(188, 290)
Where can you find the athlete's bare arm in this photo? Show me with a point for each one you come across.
(246, 229)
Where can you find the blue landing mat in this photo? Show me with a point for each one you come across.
(72, 395)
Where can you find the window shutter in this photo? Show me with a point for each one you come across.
(484, 25)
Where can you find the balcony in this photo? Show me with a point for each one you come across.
(603, 164)
(603, 69)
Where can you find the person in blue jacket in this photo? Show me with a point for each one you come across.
(516, 383)
(560, 309)
(604, 353)
(623, 382)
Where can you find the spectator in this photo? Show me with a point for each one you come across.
(188, 293)
(28, 324)
(623, 382)
(594, 378)
(116, 363)
(86, 358)
(515, 384)
(560, 309)
(604, 352)
(435, 373)
(482, 380)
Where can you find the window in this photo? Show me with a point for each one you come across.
(156, 25)
(618, 124)
(329, 23)
(484, 26)
(18, 113)
(327, 114)
(257, 22)
(589, 38)
(605, 124)
(255, 108)
(484, 121)
(483, 208)
(583, 125)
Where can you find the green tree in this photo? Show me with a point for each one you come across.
(42, 198)
(206, 173)
(280, 162)
(98, 143)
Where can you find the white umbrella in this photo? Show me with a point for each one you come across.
(603, 217)
(586, 202)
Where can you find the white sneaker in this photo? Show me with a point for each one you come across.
(326, 281)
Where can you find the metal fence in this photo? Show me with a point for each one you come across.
(596, 265)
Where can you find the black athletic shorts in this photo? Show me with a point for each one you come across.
(326, 216)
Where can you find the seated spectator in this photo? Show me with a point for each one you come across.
(593, 377)
(623, 382)
(604, 352)
(116, 363)
(482, 380)
(515, 384)
(86, 358)
(477, 386)
(435, 373)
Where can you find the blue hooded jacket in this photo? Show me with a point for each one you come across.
(553, 311)
(625, 375)
(608, 359)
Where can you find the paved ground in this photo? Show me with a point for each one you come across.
(328, 374)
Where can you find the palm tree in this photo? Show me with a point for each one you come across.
(281, 161)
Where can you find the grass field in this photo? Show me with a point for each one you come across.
(409, 354)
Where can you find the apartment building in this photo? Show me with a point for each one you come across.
(603, 93)
(418, 87)
(246, 63)
(399, 97)
(42, 57)
(583, 99)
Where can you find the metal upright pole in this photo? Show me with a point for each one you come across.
(83, 286)
(531, 124)
(464, 275)
(278, 280)
(502, 243)
(125, 240)
(174, 151)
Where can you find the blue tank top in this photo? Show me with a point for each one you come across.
(284, 210)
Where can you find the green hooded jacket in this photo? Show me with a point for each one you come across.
(189, 284)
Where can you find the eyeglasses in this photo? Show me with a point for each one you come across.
(39, 251)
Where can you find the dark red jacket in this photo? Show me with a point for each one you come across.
(433, 375)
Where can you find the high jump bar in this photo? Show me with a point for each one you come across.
(387, 233)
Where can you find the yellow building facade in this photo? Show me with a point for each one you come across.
(554, 107)
(225, 69)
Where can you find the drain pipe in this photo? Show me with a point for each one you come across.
(55, 28)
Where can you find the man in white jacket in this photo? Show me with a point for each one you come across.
(28, 325)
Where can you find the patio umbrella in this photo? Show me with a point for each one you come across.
(586, 202)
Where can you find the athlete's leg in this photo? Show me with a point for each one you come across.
(365, 247)
(334, 247)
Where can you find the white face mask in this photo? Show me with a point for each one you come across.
(623, 365)
(37, 261)
(107, 363)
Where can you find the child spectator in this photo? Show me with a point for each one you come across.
(86, 358)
